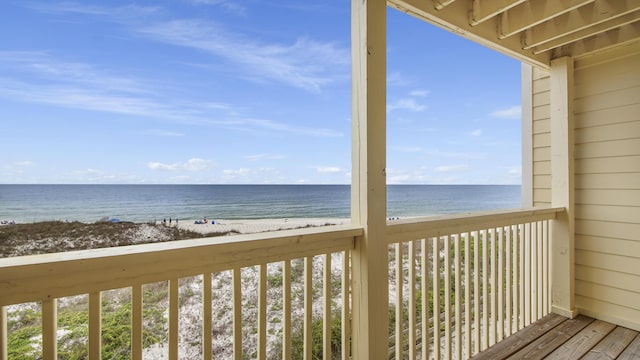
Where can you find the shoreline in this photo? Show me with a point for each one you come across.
(251, 226)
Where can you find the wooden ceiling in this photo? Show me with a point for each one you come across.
(534, 31)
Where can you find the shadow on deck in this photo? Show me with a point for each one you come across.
(556, 337)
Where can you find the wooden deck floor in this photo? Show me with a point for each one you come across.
(556, 337)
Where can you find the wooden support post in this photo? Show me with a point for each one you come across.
(4, 333)
(562, 187)
(368, 184)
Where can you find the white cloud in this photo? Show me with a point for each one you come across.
(513, 112)
(230, 6)
(194, 164)
(405, 104)
(258, 157)
(476, 132)
(420, 93)
(24, 163)
(304, 64)
(328, 169)
(451, 168)
(156, 132)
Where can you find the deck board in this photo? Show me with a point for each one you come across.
(556, 337)
(632, 351)
(522, 338)
(553, 339)
(580, 344)
(612, 345)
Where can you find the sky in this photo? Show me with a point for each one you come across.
(240, 92)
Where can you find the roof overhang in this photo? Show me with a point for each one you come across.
(534, 31)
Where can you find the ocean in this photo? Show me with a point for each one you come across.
(144, 203)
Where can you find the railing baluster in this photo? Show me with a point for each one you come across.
(207, 321)
(326, 320)
(4, 333)
(174, 303)
(136, 322)
(436, 297)
(424, 260)
(346, 306)
(485, 289)
(308, 307)
(501, 292)
(540, 256)
(467, 294)
(49, 329)
(510, 282)
(476, 291)
(458, 296)
(95, 325)
(399, 301)
(286, 310)
(412, 300)
(545, 266)
(237, 313)
(494, 287)
(534, 272)
(521, 275)
(262, 312)
(527, 274)
(447, 296)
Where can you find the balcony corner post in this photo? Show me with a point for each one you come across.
(562, 188)
(368, 180)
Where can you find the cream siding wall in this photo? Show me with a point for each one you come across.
(541, 138)
(607, 184)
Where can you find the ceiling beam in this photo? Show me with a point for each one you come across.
(581, 18)
(626, 34)
(455, 19)
(532, 13)
(441, 4)
(589, 31)
(482, 10)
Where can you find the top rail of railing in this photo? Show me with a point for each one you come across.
(425, 227)
(46, 276)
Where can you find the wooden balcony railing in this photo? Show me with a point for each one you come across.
(462, 283)
(458, 284)
(47, 278)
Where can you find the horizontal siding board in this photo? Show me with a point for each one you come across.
(608, 77)
(608, 116)
(608, 278)
(623, 264)
(608, 181)
(609, 312)
(541, 85)
(620, 131)
(542, 167)
(626, 214)
(630, 299)
(541, 140)
(614, 230)
(542, 126)
(540, 154)
(617, 197)
(602, 149)
(621, 247)
(541, 98)
(541, 112)
(540, 73)
(618, 164)
(612, 99)
(542, 181)
(542, 196)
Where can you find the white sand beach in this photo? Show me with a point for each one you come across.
(250, 226)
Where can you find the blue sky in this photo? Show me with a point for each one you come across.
(240, 91)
